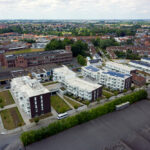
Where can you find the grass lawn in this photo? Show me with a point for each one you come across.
(11, 118)
(49, 83)
(85, 102)
(29, 50)
(58, 104)
(107, 94)
(73, 103)
(6, 98)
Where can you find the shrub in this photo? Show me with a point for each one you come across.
(1, 100)
(58, 126)
(36, 120)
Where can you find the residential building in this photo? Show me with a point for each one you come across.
(76, 86)
(141, 50)
(115, 80)
(91, 72)
(36, 58)
(138, 80)
(140, 65)
(111, 79)
(113, 66)
(32, 96)
(147, 60)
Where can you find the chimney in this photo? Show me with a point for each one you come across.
(68, 48)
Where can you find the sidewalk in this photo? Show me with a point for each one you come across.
(8, 107)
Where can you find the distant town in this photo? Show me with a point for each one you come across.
(53, 72)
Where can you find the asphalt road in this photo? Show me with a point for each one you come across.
(128, 129)
(6, 140)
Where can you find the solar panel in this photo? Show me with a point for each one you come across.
(141, 63)
(116, 74)
(91, 68)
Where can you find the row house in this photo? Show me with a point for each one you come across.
(135, 49)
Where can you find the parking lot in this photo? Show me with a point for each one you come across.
(128, 129)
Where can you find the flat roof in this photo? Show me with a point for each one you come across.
(88, 86)
(64, 71)
(117, 74)
(146, 58)
(141, 63)
(92, 68)
(27, 86)
(125, 67)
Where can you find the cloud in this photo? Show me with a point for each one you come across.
(74, 9)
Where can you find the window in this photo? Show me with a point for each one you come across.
(36, 110)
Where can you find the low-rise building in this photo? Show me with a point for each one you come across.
(32, 96)
(36, 58)
(113, 66)
(138, 80)
(76, 86)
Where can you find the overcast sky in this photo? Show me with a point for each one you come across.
(74, 9)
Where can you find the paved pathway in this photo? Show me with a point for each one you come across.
(1, 125)
(66, 101)
(54, 112)
(8, 107)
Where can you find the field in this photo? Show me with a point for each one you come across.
(29, 50)
(73, 103)
(58, 104)
(11, 118)
(6, 98)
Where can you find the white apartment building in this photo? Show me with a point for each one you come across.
(63, 74)
(75, 85)
(90, 71)
(140, 65)
(115, 80)
(111, 79)
(32, 96)
(119, 67)
(147, 60)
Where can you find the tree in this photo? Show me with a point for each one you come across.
(79, 48)
(58, 44)
(104, 43)
(36, 120)
(81, 60)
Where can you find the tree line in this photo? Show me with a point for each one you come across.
(77, 47)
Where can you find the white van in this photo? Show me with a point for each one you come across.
(61, 116)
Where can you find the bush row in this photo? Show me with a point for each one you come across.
(58, 126)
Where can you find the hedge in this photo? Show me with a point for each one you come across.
(32, 136)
